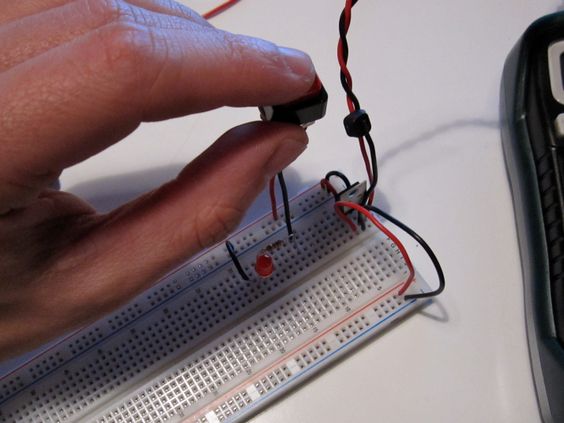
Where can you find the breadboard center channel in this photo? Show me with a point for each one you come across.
(204, 345)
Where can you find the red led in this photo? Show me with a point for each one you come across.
(264, 265)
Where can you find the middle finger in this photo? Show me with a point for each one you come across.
(35, 34)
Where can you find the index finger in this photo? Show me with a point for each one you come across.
(83, 96)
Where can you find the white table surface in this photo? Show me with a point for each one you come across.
(429, 74)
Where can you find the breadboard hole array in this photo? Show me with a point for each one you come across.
(282, 377)
(203, 330)
(267, 334)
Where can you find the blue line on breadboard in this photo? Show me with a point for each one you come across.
(150, 310)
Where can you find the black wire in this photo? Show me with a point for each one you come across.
(236, 262)
(347, 87)
(374, 168)
(345, 46)
(425, 246)
(339, 175)
(347, 182)
(374, 165)
(417, 238)
(361, 220)
(287, 216)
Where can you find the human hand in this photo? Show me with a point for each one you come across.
(78, 76)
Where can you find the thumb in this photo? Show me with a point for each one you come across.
(139, 242)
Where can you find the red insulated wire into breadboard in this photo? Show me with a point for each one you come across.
(327, 186)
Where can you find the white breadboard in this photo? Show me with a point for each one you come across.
(204, 345)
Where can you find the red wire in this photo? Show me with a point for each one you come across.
(348, 77)
(272, 192)
(348, 13)
(365, 157)
(343, 216)
(326, 184)
(219, 9)
(346, 72)
(341, 56)
(386, 231)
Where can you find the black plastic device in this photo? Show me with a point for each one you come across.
(304, 111)
(532, 111)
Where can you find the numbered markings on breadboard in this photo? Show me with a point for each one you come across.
(205, 345)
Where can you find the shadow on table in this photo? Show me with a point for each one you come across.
(435, 132)
(108, 193)
(436, 311)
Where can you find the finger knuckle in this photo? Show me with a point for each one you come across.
(245, 49)
(129, 53)
(108, 11)
(214, 223)
(249, 52)
(126, 42)
(246, 54)
(236, 48)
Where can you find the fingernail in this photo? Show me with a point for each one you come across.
(286, 153)
(298, 62)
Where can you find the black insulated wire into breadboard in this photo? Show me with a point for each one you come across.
(425, 246)
(286, 202)
(235, 259)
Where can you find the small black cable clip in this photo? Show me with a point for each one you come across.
(357, 124)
